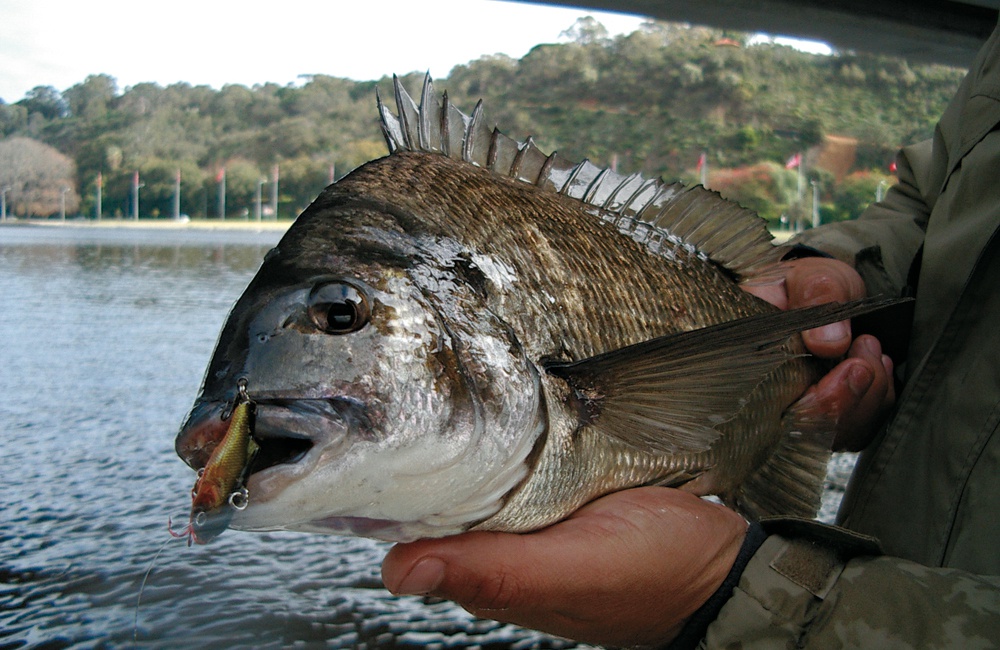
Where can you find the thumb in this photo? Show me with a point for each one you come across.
(469, 569)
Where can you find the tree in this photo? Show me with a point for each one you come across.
(651, 101)
(12, 118)
(45, 101)
(39, 178)
(91, 98)
(586, 31)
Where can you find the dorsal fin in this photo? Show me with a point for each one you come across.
(666, 218)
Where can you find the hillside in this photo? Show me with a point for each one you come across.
(652, 101)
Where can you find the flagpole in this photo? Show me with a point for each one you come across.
(100, 191)
(815, 210)
(802, 179)
(222, 194)
(274, 192)
(135, 196)
(702, 168)
(177, 196)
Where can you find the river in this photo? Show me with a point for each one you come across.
(105, 336)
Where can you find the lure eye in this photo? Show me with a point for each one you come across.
(338, 308)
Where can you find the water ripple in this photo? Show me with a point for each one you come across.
(105, 343)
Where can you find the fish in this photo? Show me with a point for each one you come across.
(469, 334)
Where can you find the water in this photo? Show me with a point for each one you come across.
(105, 336)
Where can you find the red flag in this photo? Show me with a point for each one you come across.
(794, 161)
(892, 166)
(701, 161)
(220, 175)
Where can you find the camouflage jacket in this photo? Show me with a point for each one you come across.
(929, 485)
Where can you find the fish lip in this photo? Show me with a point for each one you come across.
(201, 432)
(286, 428)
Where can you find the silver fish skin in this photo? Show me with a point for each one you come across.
(468, 334)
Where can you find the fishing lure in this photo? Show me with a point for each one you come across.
(219, 490)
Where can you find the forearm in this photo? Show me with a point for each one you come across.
(799, 591)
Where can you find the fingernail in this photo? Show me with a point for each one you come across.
(832, 333)
(860, 379)
(423, 578)
(870, 345)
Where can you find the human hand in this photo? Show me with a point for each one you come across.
(859, 391)
(811, 281)
(856, 395)
(626, 569)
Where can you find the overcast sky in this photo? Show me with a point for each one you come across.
(60, 42)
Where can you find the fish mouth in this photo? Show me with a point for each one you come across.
(285, 429)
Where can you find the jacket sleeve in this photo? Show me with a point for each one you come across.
(884, 241)
(808, 589)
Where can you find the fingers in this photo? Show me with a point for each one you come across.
(813, 281)
(856, 395)
(869, 381)
(624, 570)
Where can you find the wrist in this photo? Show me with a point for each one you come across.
(696, 625)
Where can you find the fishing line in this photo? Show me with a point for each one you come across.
(142, 585)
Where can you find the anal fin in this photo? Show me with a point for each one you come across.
(790, 481)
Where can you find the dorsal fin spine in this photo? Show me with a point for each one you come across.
(515, 166)
(469, 148)
(491, 155)
(543, 173)
(445, 126)
(574, 173)
(609, 202)
(403, 102)
(424, 131)
(595, 185)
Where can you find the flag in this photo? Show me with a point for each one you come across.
(892, 167)
(221, 175)
(135, 180)
(100, 180)
(794, 161)
(701, 161)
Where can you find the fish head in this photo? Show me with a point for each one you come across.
(390, 401)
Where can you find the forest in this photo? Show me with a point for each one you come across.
(671, 100)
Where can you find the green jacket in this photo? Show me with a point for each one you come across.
(928, 488)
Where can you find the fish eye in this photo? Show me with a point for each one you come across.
(338, 308)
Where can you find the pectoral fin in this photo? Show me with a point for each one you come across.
(668, 394)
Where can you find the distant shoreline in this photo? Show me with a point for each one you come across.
(152, 224)
(780, 236)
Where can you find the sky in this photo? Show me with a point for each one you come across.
(59, 43)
